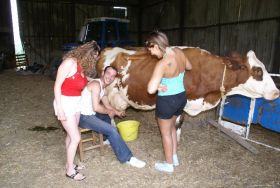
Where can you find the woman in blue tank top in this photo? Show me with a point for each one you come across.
(168, 81)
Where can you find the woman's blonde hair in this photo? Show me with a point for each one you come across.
(86, 55)
(159, 38)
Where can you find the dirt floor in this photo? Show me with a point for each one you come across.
(30, 158)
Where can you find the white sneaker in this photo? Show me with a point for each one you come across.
(106, 142)
(136, 162)
(175, 160)
(164, 167)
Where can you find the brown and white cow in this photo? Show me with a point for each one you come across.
(246, 76)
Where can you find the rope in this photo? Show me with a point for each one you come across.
(222, 88)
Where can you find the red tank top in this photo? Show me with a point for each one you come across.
(73, 85)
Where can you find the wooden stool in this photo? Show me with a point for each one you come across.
(95, 138)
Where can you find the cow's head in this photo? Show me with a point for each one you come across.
(259, 83)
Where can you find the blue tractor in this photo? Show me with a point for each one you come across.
(106, 31)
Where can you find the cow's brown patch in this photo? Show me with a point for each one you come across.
(206, 77)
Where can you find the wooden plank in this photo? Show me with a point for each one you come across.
(234, 136)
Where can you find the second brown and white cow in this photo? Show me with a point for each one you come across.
(238, 75)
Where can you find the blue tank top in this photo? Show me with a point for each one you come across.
(174, 85)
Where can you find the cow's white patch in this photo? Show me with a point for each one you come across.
(254, 61)
(184, 47)
(110, 55)
(178, 133)
(253, 88)
(194, 107)
(141, 107)
(115, 96)
(118, 97)
(124, 71)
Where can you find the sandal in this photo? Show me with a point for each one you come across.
(77, 167)
(74, 175)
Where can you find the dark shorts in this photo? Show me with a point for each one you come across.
(172, 105)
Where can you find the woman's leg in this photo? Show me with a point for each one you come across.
(174, 141)
(67, 142)
(73, 137)
(165, 126)
(68, 139)
(174, 135)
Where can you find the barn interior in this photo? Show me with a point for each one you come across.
(32, 150)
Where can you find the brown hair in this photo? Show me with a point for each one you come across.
(159, 38)
(86, 56)
(112, 67)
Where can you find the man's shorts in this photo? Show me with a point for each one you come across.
(171, 105)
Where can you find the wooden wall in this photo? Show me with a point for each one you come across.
(219, 26)
(46, 25)
(6, 31)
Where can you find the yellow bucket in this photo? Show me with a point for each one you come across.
(128, 129)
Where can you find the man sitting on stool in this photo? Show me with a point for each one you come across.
(96, 114)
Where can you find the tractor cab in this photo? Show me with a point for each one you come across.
(106, 31)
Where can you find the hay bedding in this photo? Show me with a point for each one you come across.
(31, 158)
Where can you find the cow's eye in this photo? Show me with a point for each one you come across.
(257, 73)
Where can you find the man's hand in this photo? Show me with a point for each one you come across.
(120, 114)
(111, 113)
(114, 112)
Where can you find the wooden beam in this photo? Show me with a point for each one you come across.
(182, 22)
(276, 56)
(93, 2)
(140, 20)
(234, 136)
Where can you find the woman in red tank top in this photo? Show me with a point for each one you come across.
(71, 78)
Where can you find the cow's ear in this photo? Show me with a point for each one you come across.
(235, 55)
(257, 73)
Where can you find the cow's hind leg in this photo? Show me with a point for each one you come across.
(179, 122)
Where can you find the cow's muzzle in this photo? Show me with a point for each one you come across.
(272, 95)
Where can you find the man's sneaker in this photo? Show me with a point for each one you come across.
(175, 160)
(106, 142)
(164, 167)
(136, 162)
